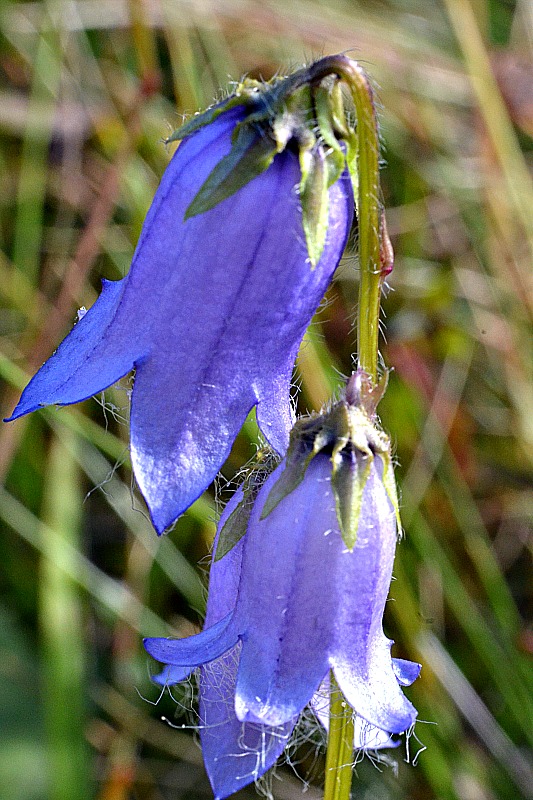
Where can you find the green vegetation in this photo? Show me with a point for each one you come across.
(88, 90)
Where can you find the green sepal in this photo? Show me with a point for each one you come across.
(251, 154)
(334, 167)
(290, 478)
(296, 120)
(339, 115)
(337, 119)
(348, 481)
(389, 483)
(308, 437)
(314, 199)
(234, 528)
(236, 524)
(340, 424)
(206, 117)
(335, 158)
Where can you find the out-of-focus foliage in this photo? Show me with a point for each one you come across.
(88, 88)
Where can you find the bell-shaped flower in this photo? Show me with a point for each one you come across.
(302, 600)
(235, 753)
(242, 239)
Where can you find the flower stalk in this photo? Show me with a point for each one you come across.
(375, 261)
(375, 252)
(339, 762)
(368, 210)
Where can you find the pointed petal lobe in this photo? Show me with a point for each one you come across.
(194, 650)
(406, 671)
(99, 351)
(235, 753)
(361, 657)
(223, 585)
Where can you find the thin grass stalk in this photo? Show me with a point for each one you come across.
(62, 633)
(114, 599)
(33, 173)
(518, 180)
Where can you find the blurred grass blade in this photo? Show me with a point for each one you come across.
(33, 174)
(503, 138)
(62, 632)
(162, 549)
(476, 713)
(114, 597)
(499, 657)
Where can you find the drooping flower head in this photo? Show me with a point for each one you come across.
(235, 753)
(303, 593)
(242, 239)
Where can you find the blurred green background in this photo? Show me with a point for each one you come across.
(88, 88)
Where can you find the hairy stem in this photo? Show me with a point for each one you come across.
(368, 210)
(368, 206)
(339, 760)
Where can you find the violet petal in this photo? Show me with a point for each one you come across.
(286, 605)
(360, 656)
(211, 316)
(235, 753)
(223, 585)
(89, 359)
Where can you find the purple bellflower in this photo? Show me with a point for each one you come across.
(242, 239)
(235, 753)
(302, 593)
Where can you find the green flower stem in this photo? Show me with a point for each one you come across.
(368, 206)
(368, 209)
(364, 167)
(339, 756)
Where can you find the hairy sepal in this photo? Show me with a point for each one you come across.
(314, 199)
(351, 438)
(304, 111)
(348, 480)
(252, 153)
